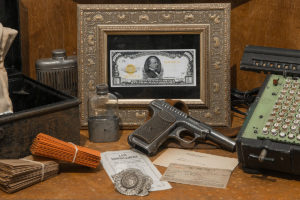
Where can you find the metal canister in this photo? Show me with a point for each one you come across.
(59, 72)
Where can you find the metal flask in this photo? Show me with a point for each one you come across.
(59, 72)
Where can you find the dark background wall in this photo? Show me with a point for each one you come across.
(49, 24)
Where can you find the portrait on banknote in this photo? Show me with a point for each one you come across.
(152, 67)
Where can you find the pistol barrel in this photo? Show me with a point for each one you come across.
(215, 136)
(220, 139)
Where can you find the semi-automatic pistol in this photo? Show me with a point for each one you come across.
(169, 122)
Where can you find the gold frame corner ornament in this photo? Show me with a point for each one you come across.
(210, 20)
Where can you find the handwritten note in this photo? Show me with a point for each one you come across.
(186, 157)
(200, 176)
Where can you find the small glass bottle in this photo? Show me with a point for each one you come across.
(103, 120)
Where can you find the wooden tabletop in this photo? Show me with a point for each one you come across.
(77, 182)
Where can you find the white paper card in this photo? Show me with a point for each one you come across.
(186, 157)
(115, 161)
(200, 176)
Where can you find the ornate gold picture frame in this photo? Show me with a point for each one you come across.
(159, 29)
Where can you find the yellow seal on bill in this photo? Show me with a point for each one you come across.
(130, 69)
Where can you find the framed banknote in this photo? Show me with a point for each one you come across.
(158, 51)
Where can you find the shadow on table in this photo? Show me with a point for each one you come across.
(271, 176)
(75, 168)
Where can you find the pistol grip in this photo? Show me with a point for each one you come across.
(154, 127)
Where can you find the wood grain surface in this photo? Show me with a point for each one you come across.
(81, 183)
(46, 25)
(50, 24)
(262, 23)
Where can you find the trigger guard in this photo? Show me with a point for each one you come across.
(183, 142)
(179, 130)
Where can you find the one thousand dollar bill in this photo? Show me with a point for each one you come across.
(150, 68)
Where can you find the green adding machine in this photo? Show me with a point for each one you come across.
(270, 136)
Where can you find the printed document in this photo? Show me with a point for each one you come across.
(115, 161)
